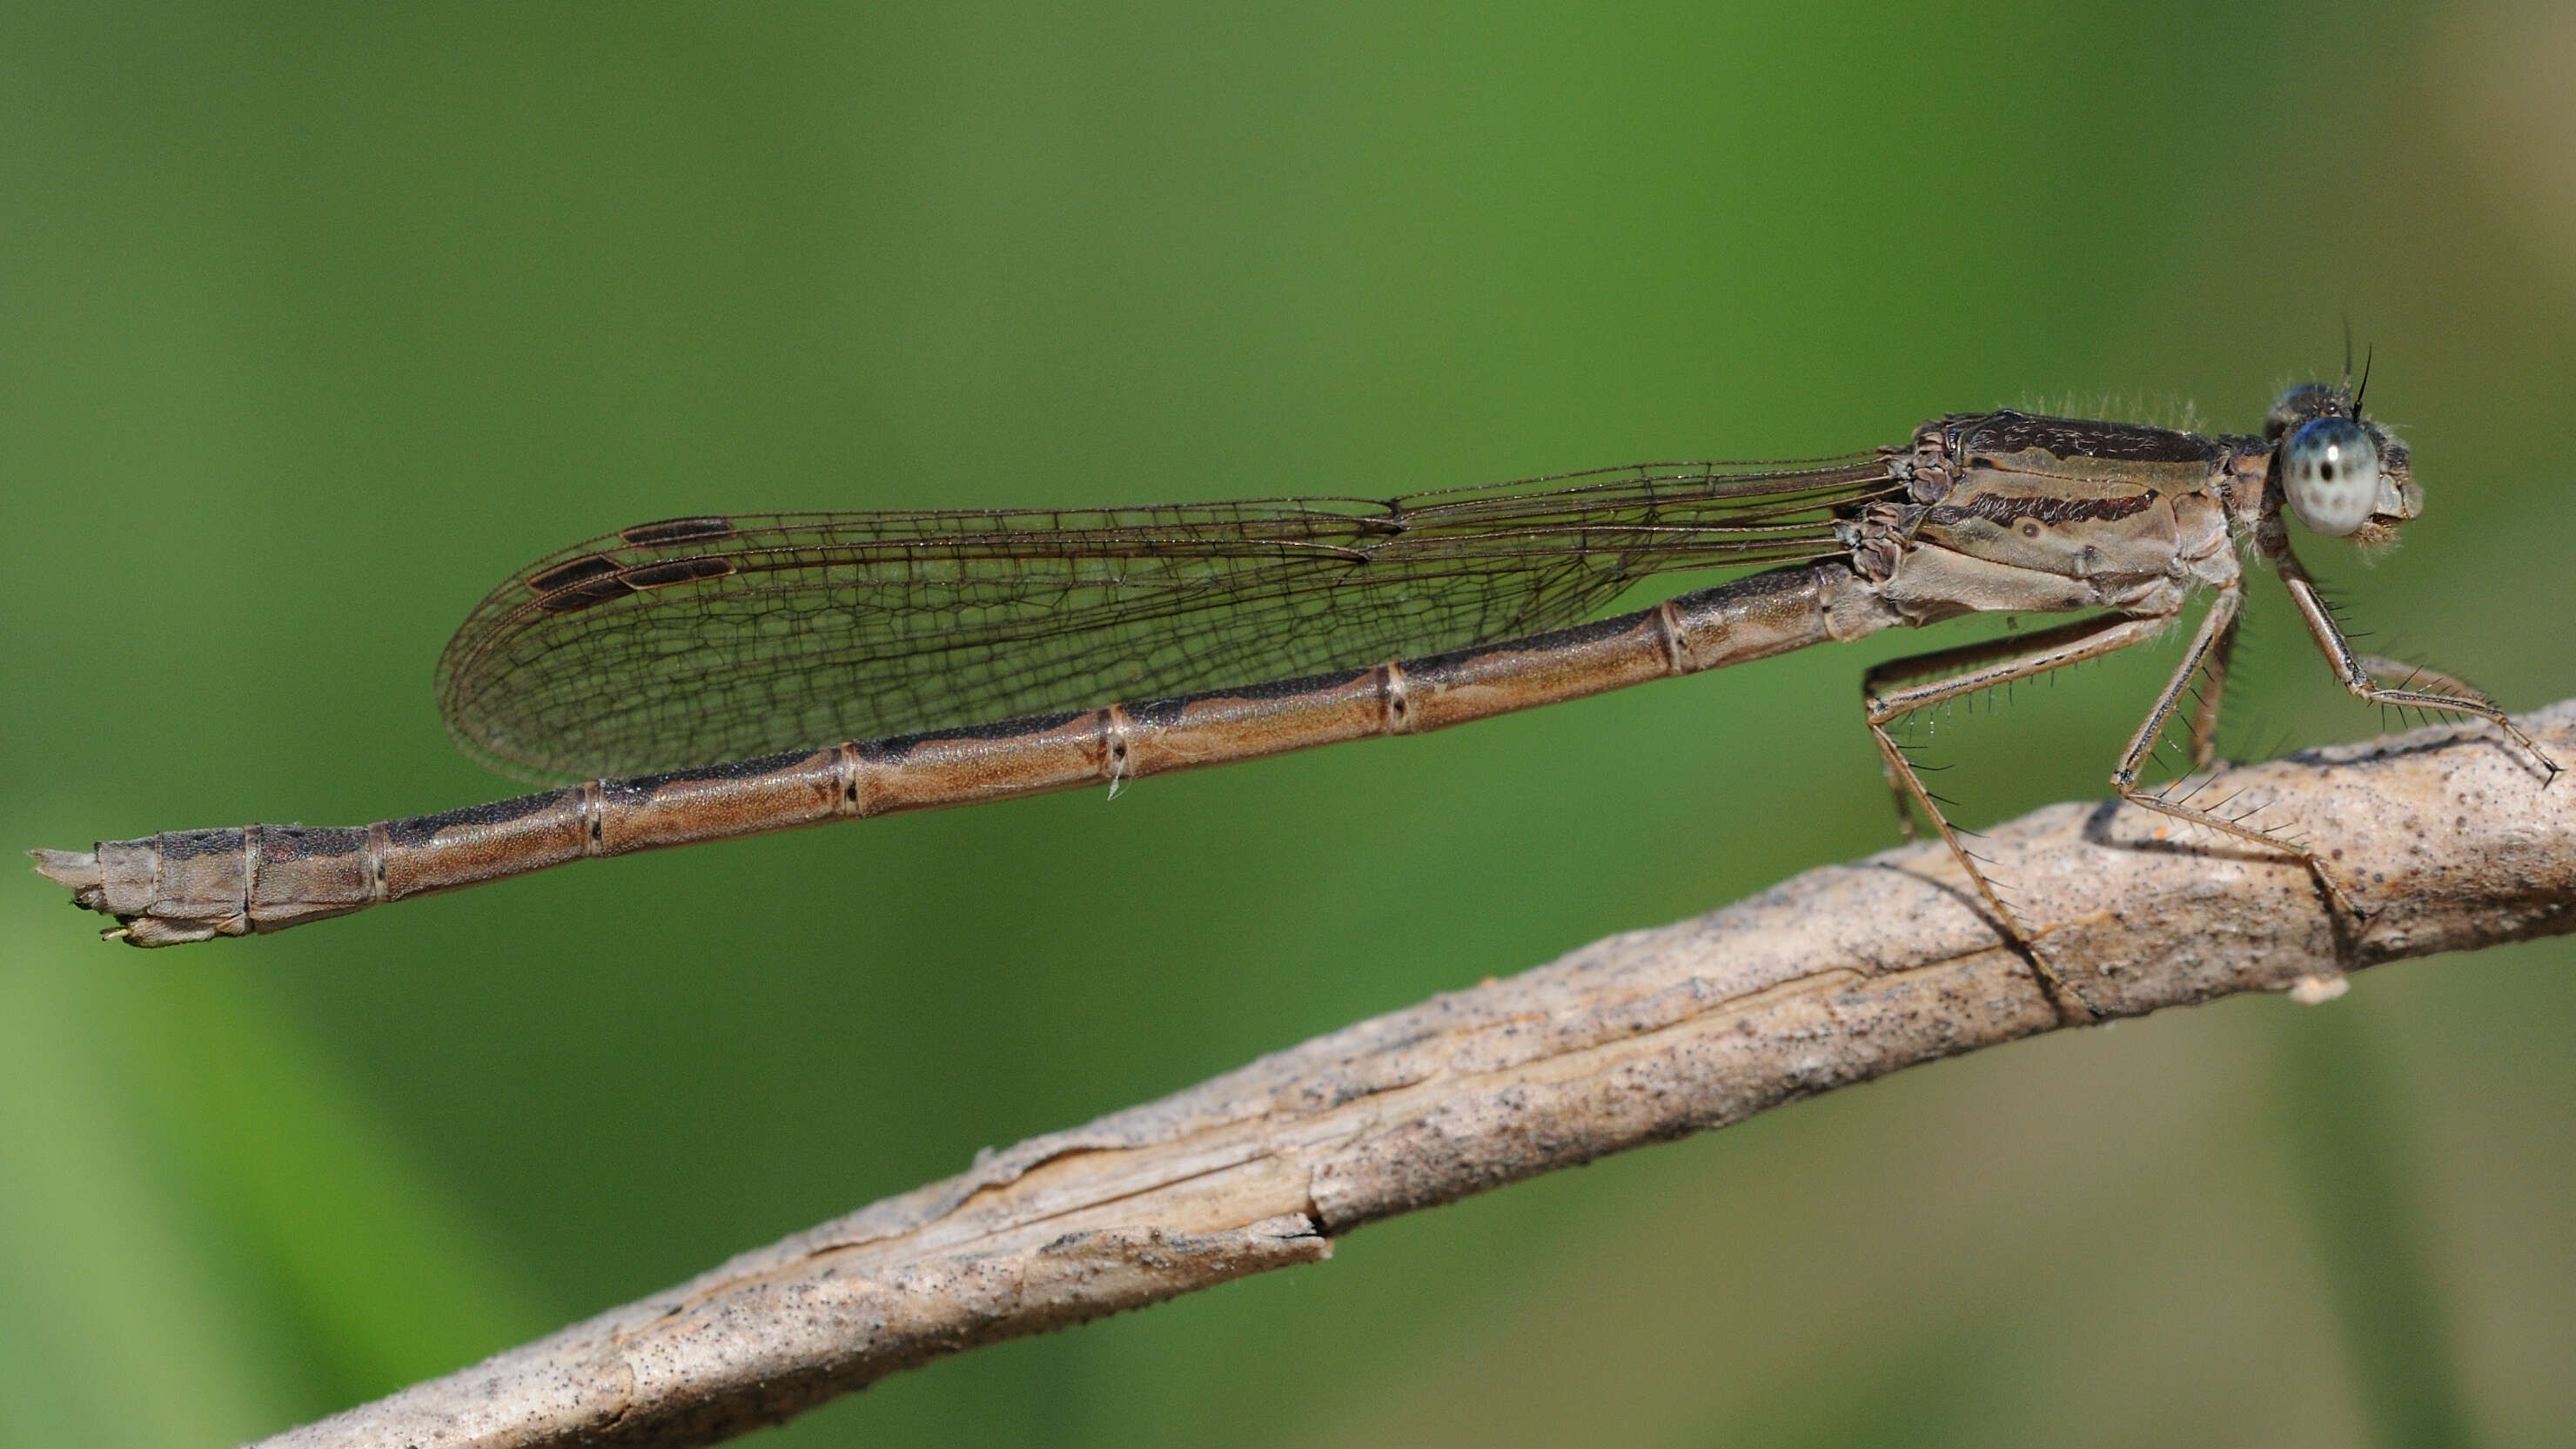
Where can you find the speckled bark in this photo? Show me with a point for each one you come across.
(1838, 976)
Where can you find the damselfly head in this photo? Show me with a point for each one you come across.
(2341, 473)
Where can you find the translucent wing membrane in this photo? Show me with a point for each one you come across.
(698, 640)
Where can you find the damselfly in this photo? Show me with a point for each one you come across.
(692, 674)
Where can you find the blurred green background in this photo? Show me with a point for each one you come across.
(316, 320)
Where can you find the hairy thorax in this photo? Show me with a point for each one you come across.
(2008, 513)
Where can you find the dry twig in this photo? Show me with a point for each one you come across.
(1838, 976)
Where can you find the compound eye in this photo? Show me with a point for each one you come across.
(2330, 470)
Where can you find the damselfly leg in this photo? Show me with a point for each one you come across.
(1950, 674)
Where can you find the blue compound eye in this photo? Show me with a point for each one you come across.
(2330, 470)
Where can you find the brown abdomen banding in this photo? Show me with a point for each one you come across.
(1187, 731)
(684, 807)
(303, 873)
(990, 762)
(194, 884)
(454, 848)
(1471, 684)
